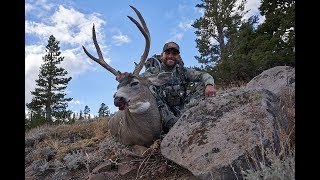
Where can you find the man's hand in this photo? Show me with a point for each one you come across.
(210, 90)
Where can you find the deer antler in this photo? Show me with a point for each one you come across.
(101, 60)
(143, 29)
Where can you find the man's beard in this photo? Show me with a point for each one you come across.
(171, 65)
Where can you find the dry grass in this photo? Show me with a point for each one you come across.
(274, 165)
(82, 146)
(64, 139)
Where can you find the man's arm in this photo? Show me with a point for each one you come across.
(198, 76)
(205, 78)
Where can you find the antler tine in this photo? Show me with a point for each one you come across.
(144, 30)
(144, 25)
(100, 60)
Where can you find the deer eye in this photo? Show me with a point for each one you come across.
(134, 83)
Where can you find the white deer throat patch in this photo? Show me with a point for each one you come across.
(139, 107)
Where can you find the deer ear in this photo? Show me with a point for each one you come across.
(160, 79)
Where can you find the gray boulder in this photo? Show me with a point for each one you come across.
(213, 136)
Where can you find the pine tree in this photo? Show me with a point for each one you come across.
(49, 97)
(80, 115)
(276, 40)
(104, 110)
(239, 67)
(86, 112)
(27, 121)
(220, 21)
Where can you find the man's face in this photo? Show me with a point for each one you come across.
(170, 57)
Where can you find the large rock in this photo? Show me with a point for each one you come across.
(279, 80)
(213, 135)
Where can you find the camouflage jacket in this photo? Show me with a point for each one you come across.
(175, 91)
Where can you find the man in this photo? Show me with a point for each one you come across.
(174, 95)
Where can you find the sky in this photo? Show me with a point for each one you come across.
(122, 44)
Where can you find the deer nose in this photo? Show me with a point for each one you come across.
(119, 100)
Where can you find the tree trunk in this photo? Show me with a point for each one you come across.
(48, 114)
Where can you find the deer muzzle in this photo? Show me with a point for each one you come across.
(121, 103)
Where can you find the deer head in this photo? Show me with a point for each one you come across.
(138, 121)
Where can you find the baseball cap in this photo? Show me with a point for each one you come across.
(171, 45)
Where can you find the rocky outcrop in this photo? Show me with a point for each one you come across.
(213, 136)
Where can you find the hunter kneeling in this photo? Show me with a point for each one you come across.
(173, 95)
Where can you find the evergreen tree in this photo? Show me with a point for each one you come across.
(271, 44)
(220, 21)
(86, 112)
(36, 119)
(49, 97)
(275, 42)
(103, 110)
(27, 121)
(246, 49)
(80, 115)
(240, 67)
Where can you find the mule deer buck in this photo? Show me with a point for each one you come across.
(138, 121)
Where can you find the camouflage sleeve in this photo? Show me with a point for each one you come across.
(199, 76)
